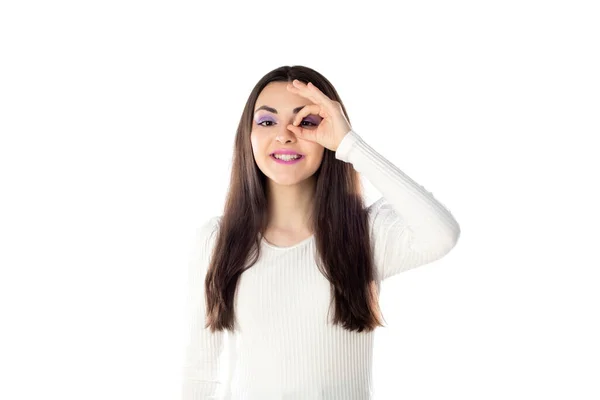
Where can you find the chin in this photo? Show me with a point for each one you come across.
(285, 181)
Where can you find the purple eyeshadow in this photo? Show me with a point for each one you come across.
(266, 118)
(263, 119)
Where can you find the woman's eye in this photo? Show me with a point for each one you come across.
(261, 123)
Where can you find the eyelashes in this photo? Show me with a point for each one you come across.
(262, 122)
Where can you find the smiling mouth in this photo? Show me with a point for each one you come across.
(287, 157)
(289, 160)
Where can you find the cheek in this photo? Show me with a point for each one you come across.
(258, 148)
(255, 143)
(319, 152)
(317, 156)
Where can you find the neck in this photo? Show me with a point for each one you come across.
(290, 206)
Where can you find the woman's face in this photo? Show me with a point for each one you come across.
(270, 134)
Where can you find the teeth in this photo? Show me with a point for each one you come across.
(285, 157)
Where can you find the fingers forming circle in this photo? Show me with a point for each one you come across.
(311, 92)
(306, 110)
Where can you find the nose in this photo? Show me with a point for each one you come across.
(285, 139)
(286, 136)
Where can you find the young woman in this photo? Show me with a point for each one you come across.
(295, 242)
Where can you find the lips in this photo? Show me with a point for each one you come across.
(286, 152)
(292, 161)
(298, 156)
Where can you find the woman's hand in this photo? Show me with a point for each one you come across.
(334, 125)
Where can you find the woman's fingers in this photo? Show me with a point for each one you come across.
(306, 110)
(320, 95)
(311, 92)
(302, 91)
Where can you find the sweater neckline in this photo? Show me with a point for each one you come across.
(300, 243)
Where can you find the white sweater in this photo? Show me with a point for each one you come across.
(285, 347)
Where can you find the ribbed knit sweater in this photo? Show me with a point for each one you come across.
(285, 346)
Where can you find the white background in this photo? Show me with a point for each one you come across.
(117, 121)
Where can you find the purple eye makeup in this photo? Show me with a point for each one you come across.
(312, 120)
(309, 119)
(262, 119)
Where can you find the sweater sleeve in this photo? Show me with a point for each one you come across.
(409, 227)
(203, 349)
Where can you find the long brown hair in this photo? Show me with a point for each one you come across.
(340, 224)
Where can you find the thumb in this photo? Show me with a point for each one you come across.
(303, 134)
(298, 131)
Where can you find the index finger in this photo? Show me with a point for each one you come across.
(311, 92)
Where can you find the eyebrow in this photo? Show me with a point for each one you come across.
(274, 111)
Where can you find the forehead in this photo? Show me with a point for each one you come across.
(276, 95)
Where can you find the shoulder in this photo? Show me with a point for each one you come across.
(205, 236)
(208, 228)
